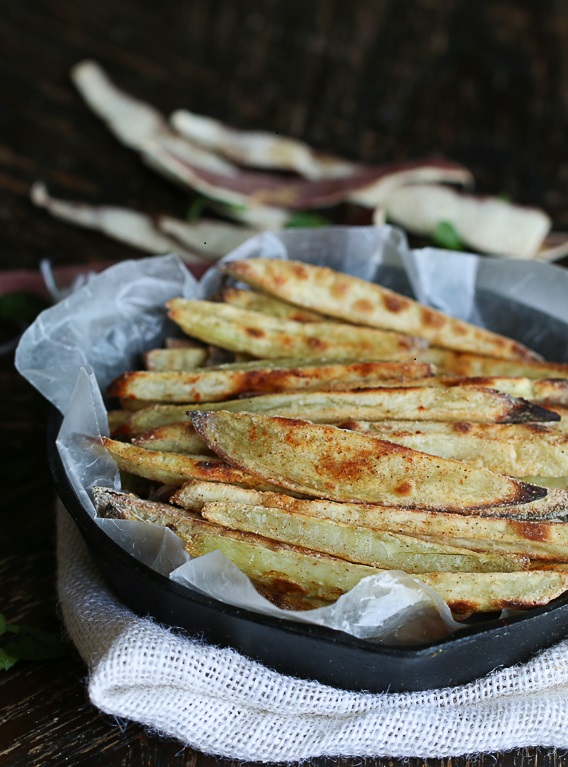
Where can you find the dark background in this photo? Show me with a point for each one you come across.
(483, 83)
(376, 80)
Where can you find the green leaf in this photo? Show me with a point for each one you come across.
(6, 660)
(236, 207)
(306, 220)
(23, 642)
(445, 236)
(31, 643)
(196, 207)
(200, 201)
(21, 306)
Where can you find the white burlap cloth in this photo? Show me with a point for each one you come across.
(221, 703)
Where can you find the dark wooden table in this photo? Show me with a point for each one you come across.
(483, 83)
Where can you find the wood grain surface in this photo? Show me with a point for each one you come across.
(485, 84)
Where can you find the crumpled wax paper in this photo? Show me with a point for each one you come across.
(74, 349)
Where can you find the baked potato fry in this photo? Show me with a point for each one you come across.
(173, 438)
(551, 431)
(148, 418)
(468, 364)
(469, 403)
(303, 572)
(239, 330)
(488, 592)
(174, 468)
(194, 494)
(545, 391)
(431, 403)
(535, 537)
(378, 548)
(181, 358)
(327, 462)
(352, 299)
(216, 384)
(544, 454)
(259, 302)
(318, 576)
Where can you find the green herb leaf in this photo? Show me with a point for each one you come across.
(6, 660)
(306, 220)
(23, 642)
(21, 307)
(196, 207)
(200, 201)
(445, 236)
(35, 644)
(236, 207)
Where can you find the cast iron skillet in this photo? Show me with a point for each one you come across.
(307, 651)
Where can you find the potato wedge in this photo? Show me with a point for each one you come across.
(468, 364)
(181, 358)
(269, 563)
(194, 494)
(355, 300)
(367, 546)
(259, 302)
(279, 567)
(509, 432)
(340, 407)
(175, 469)
(148, 418)
(430, 403)
(533, 537)
(239, 330)
(327, 462)
(214, 385)
(487, 592)
(543, 454)
(545, 391)
(173, 438)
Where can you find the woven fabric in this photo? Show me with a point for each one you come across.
(221, 703)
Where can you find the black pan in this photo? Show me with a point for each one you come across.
(329, 656)
(308, 651)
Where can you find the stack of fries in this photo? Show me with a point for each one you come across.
(316, 429)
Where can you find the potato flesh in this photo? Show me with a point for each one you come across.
(283, 568)
(240, 330)
(378, 548)
(536, 537)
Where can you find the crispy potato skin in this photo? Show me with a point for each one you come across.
(240, 330)
(215, 385)
(327, 462)
(355, 300)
